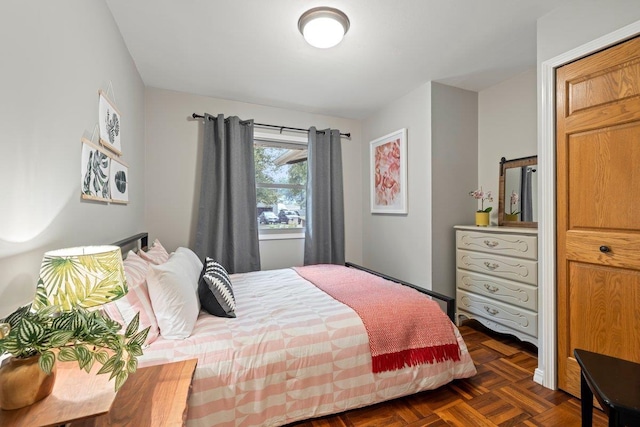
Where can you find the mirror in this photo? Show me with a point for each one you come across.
(518, 202)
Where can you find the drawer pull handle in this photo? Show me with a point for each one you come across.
(604, 249)
(491, 311)
(491, 266)
(490, 288)
(491, 243)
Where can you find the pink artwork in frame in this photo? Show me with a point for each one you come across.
(389, 173)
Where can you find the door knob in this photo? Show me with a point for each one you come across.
(604, 249)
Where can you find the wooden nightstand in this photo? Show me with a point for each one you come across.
(155, 395)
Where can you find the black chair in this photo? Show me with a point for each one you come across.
(615, 384)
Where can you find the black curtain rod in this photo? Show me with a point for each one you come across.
(346, 135)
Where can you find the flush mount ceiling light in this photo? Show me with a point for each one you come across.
(323, 27)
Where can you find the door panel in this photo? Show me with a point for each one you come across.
(623, 248)
(598, 180)
(604, 176)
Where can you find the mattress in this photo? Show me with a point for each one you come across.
(292, 353)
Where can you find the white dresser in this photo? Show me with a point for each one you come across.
(497, 278)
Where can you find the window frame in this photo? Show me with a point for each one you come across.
(283, 141)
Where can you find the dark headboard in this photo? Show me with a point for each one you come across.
(129, 241)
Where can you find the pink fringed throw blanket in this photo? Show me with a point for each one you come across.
(405, 327)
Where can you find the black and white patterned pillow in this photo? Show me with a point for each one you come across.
(215, 291)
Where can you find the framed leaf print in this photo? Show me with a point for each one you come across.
(119, 181)
(389, 173)
(95, 165)
(109, 124)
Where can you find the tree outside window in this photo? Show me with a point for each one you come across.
(281, 178)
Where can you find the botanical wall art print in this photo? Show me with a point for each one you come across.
(119, 181)
(109, 124)
(95, 165)
(389, 173)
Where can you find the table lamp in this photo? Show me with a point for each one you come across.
(85, 276)
(58, 325)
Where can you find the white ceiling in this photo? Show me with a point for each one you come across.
(251, 50)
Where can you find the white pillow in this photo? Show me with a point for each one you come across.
(173, 293)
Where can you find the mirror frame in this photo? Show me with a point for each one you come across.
(508, 164)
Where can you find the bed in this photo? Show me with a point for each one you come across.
(294, 352)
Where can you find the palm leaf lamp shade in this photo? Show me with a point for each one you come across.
(85, 276)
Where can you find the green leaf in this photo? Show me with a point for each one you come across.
(109, 365)
(134, 349)
(133, 326)
(16, 317)
(40, 299)
(140, 337)
(64, 321)
(488, 209)
(67, 354)
(119, 366)
(132, 365)
(101, 356)
(121, 378)
(11, 346)
(29, 332)
(60, 338)
(89, 365)
(84, 356)
(46, 362)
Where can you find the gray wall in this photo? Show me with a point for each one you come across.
(570, 26)
(577, 22)
(174, 146)
(441, 124)
(454, 148)
(400, 245)
(506, 128)
(55, 57)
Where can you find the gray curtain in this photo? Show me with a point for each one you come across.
(227, 226)
(526, 201)
(324, 230)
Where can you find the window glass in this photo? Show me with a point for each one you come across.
(281, 179)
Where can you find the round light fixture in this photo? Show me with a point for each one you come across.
(323, 27)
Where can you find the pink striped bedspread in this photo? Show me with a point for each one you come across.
(292, 353)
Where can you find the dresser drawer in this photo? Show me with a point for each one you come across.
(498, 243)
(515, 293)
(513, 317)
(518, 269)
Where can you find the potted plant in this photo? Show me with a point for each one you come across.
(513, 204)
(482, 214)
(37, 338)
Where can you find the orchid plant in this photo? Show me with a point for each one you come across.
(515, 198)
(482, 196)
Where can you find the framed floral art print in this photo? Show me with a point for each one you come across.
(389, 173)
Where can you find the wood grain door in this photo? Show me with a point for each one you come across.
(598, 208)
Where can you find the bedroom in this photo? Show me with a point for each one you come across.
(56, 57)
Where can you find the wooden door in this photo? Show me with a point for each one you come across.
(598, 208)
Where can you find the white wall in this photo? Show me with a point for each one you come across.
(174, 145)
(441, 124)
(55, 57)
(507, 127)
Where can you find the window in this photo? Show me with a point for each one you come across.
(281, 181)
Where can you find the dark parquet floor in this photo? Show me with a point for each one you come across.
(501, 394)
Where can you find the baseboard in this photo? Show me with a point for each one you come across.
(538, 376)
